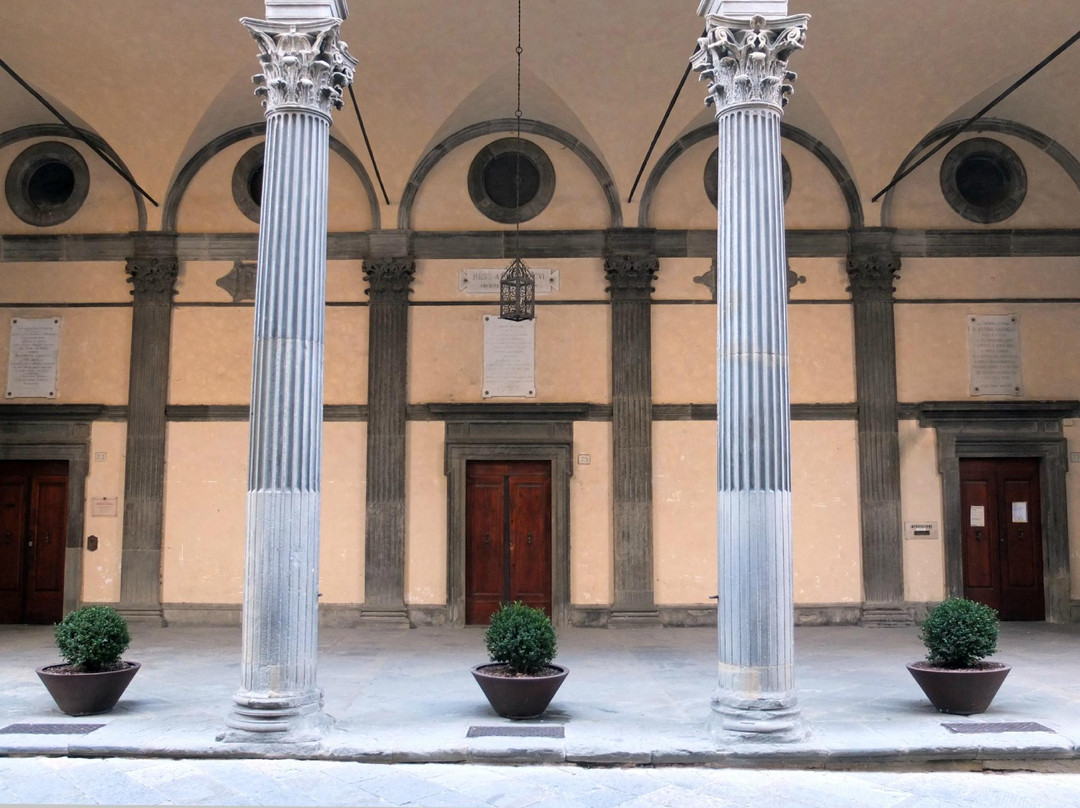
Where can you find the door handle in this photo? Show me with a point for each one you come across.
(978, 535)
(487, 539)
(7, 537)
(48, 537)
(530, 538)
(1020, 534)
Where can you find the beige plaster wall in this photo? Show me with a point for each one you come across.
(443, 202)
(436, 280)
(1052, 197)
(825, 511)
(921, 501)
(425, 516)
(826, 279)
(211, 355)
(932, 350)
(205, 513)
(109, 206)
(681, 201)
(675, 280)
(64, 282)
(820, 349)
(592, 572)
(101, 567)
(208, 206)
(988, 278)
(446, 354)
(684, 511)
(198, 282)
(95, 349)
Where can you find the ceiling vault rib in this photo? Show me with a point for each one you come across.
(76, 132)
(974, 118)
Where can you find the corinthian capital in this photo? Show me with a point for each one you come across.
(153, 277)
(631, 276)
(746, 61)
(872, 275)
(305, 65)
(389, 276)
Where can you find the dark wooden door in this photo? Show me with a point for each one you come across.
(33, 531)
(507, 536)
(1002, 542)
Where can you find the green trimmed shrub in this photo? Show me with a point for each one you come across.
(958, 633)
(521, 637)
(93, 638)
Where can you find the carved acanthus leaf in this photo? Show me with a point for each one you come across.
(631, 275)
(746, 62)
(873, 274)
(390, 276)
(153, 277)
(305, 67)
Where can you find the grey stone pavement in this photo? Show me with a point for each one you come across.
(128, 781)
(633, 698)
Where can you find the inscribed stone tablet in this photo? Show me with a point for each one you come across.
(994, 355)
(509, 358)
(32, 357)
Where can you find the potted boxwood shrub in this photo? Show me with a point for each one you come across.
(92, 677)
(520, 680)
(958, 635)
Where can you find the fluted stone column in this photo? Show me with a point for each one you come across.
(152, 272)
(630, 279)
(745, 61)
(872, 269)
(389, 281)
(305, 66)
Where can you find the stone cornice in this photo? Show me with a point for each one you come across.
(872, 274)
(305, 65)
(631, 276)
(153, 277)
(746, 61)
(389, 277)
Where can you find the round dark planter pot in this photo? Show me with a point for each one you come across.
(519, 696)
(960, 692)
(87, 693)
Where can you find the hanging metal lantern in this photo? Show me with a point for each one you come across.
(517, 293)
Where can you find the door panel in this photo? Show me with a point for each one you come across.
(33, 539)
(1003, 557)
(508, 536)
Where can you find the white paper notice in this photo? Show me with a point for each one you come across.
(994, 355)
(509, 358)
(978, 516)
(1019, 513)
(32, 357)
(486, 281)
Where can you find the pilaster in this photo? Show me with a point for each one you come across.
(745, 62)
(152, 271)
(305, 66)
(389, 281)
(630, 279)
(872, 270)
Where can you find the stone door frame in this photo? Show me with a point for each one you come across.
(1008, 430)
(509, 441)
(70, 441)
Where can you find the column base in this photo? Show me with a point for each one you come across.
(388, 617)
(143, 613)
(762, 720)
(634, 618)
(280, 719)
(887, 615)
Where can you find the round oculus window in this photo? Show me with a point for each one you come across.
(511, 180)
(247, 182)
(712, 168)
(983, 180)
(47, 184)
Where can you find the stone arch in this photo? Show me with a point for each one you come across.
(528, 126)
(1058, 153)
(59, 130)
(203, 156)
(793, 133)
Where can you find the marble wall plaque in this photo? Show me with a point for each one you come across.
(104, 506)
(486, 281)
(994, 355)
(509, 358)
(33, 357)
